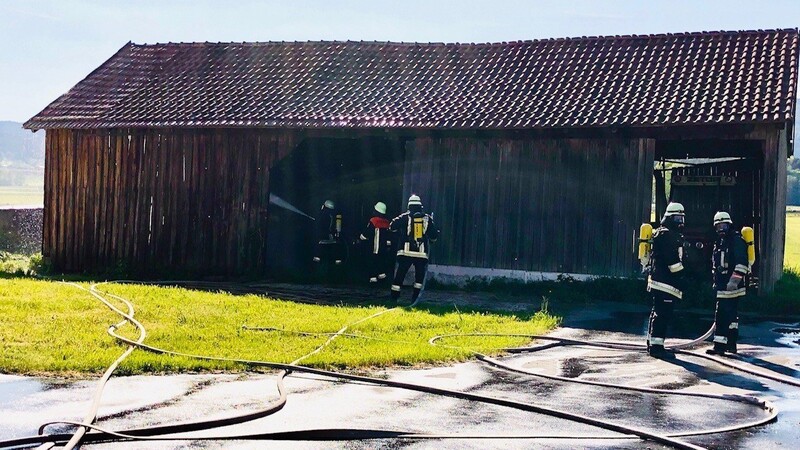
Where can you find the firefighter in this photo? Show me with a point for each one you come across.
(415, 231)
(730, 267)
(329, 231)
(666, 276)
(379, 242)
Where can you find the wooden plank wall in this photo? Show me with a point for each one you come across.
(159, 201)
(551, 205)
(773, 210)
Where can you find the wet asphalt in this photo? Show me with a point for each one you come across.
(316, 402)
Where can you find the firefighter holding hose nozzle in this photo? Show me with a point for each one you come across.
(416, 231)
(666, 276)
(731, 264)
(329, 233)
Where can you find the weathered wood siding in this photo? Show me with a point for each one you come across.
(549, 205)
(773, 210)
(159, 201)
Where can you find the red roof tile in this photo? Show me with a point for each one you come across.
(671, 79)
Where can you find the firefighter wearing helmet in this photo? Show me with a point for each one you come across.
(329, 233)
(415, 231)
(730, 266)
(666, 276)
(379, 242)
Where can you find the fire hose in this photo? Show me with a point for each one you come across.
(159, 432)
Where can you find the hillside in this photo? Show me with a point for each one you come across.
(21, 156)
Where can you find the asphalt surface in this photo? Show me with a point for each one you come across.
(315, 402)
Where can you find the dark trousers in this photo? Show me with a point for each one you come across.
(403, 264)
(727, 320)
(379, 266)
(329, 252)
(660, 318)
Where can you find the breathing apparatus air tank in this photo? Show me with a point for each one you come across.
(749, 238)
(645, 242)
(419, 227)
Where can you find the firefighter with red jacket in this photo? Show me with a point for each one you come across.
(730, 266)
(377, 238)
(666, 276)
(415, 231)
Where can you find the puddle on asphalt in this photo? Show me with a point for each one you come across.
(13, 388)
(684, 325)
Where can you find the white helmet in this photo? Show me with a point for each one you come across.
(380, 207)
(414, 200)
(722, 217)
(674, 214)
(329, 204)
(674, 209)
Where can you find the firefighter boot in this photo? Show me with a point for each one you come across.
(658, 351)
(719, 349)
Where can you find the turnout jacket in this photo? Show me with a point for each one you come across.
(415, 233)
(326, 226)
(666, 263)
(729, 257)
(377, 233)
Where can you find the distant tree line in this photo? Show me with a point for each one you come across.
(793, 181)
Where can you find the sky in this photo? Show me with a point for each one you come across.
(46, 47)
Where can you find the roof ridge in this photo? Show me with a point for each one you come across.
(518, 41)
(629, 80)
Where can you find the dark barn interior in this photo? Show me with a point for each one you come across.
(706, 176)
(355, 173)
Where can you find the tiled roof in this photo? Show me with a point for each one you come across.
(654, 80)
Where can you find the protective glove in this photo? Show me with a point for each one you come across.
(733, 283)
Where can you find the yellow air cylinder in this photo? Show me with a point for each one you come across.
(419, 228)
(338, 223)
(645, 239)
(749, 238)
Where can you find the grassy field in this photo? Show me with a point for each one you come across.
(19, 195)
(51, 327)
(791, 256)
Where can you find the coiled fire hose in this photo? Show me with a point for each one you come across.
(339, 434)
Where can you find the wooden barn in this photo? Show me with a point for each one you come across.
(536, 157)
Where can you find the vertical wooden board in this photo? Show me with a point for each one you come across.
(65, 189)
(767, 216)
(60, 258)
(193, 174)
(182, 225)
(179, 217)
(131, 169)
(57, 192)
(47, 212)
(149, 164)
(107, 197)
(116, 210)
(71, 201)
(94, 204)
(164, 221)
(83, 190)
(121, 194)
(90, 260)
(138, 200)
(127, 189)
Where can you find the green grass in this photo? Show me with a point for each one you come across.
(21, 195)
(50, 327)
(791, 256)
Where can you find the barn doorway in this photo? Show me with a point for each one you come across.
(354, 173)
(707, 176)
